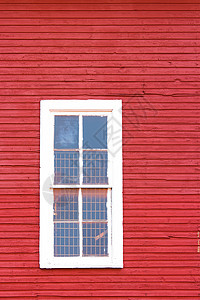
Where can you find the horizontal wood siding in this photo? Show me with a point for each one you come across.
(147, 54)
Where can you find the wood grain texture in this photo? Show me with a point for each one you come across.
(147, 54)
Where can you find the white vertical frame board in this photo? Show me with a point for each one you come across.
(111, 109)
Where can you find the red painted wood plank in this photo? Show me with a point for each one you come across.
(128, 72)
(136, 212)
(128, 108)
(99, 7)
(158, 190)
(99, 50)
(101, 278)
(98, 35)
(104, 21)
(133, 273)
(37, 86)
(158, 96)
(100, 14)
(163, 228)
(158, 147)
(105, 2)
(102, 293)
(149, 163)
(92, 92)
(104, 57)
(129, 272)
(110, 297)
(98, 286)
(160, 183)
(131, 119)
(188, 80)
(101, 28)
(95, 65)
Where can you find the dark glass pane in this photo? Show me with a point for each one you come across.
(66, 167)
(95, 167)
(94, 132)
(66, 239)
(94, 204)
(66, 132)
(95, 239)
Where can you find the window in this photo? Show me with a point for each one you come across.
(81, 184)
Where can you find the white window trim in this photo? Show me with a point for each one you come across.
(111, 108)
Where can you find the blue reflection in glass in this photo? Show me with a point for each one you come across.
(66, 239)
(94, 132)
(95, 228)
(95, 239)
(95, 167)
(66, 132)
(66, 167)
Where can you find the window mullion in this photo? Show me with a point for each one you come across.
(80, 223)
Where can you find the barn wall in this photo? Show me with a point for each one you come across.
(147, 54)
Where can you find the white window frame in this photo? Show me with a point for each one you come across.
(111, 109)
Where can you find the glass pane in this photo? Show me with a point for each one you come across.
(94, 132)
(66, 239)
(95, 239)
(65, 204)
(66, 167)
(94, 204)
(66, 225)
(95, 167)
(66, 132)
(95, 231)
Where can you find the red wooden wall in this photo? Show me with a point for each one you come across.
(147, 54)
